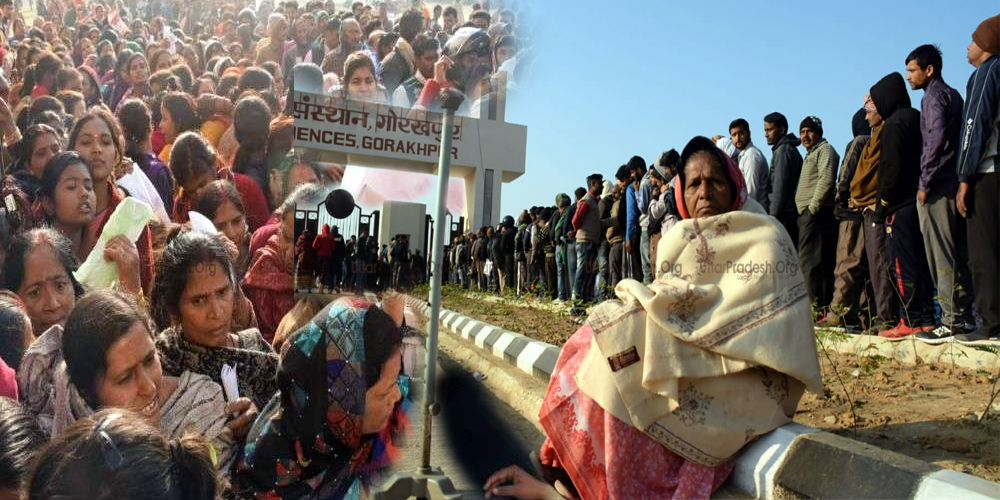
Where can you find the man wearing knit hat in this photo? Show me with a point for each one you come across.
(979, 178)
(814, 202)
(940, 126)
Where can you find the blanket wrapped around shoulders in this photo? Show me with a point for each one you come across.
(719, 349)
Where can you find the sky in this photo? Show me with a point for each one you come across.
(613, 80)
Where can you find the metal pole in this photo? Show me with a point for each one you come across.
(450, 100)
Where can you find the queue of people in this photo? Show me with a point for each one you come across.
(327, 263)
(903, 242)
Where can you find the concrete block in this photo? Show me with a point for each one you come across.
(824, 465)
(954, 484)
(907, 351)
(759, 462)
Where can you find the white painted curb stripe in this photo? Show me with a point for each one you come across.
(530, 354)
(481, 338)
(954, 484)
(468, 329)
(501, 344)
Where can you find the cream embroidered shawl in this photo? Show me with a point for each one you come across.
(716, 351)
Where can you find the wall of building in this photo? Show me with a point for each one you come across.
(400, 217)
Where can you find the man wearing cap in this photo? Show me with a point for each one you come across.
(940, 224)
(751, 162)
(814, 202)
(979, 177)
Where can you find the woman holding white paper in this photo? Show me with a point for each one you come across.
(98, 138)
(68, 199)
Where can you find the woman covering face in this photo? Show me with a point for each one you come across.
(340, 382)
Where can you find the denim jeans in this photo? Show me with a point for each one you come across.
(586, 261)
(603, 252)
(647, 270)
(560, 273)
(571, 269)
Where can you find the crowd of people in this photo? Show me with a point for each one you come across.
(902, 242)
(328, 264)
(148, 184)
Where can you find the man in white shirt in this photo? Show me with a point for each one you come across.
(752, 163)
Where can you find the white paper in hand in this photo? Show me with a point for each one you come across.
(229, 383)
(129, 218)
(201, 224)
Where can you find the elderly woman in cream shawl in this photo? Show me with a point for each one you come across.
(661, 389)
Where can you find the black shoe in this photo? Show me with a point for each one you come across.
(939, 335)
(979, 337)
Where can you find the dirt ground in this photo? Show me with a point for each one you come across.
(928, 412)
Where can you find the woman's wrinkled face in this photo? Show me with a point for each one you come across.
(707, 190)
(46, 290)
(231, 222)
(383, 396)
(133, 376)
(46, 146)
(361, 85)
(206, 305)
(74, 197)
(95, 143)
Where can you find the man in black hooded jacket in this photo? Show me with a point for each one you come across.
(786, 166)
(898, 182)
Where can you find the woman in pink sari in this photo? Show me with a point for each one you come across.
(657, 394)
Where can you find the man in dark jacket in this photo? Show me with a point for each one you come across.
(898, 182)
(940, 224)
(850, 276)
(979, 178)
(401, 63)
(562, 202)
(786, 165)
(337, 262)
(509, 251)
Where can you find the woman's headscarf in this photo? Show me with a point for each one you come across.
(732, 172)
(308, 442)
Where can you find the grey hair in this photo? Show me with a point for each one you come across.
(307, 194)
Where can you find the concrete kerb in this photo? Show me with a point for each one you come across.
(908, 350)
(526, 354)
(793, 461)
